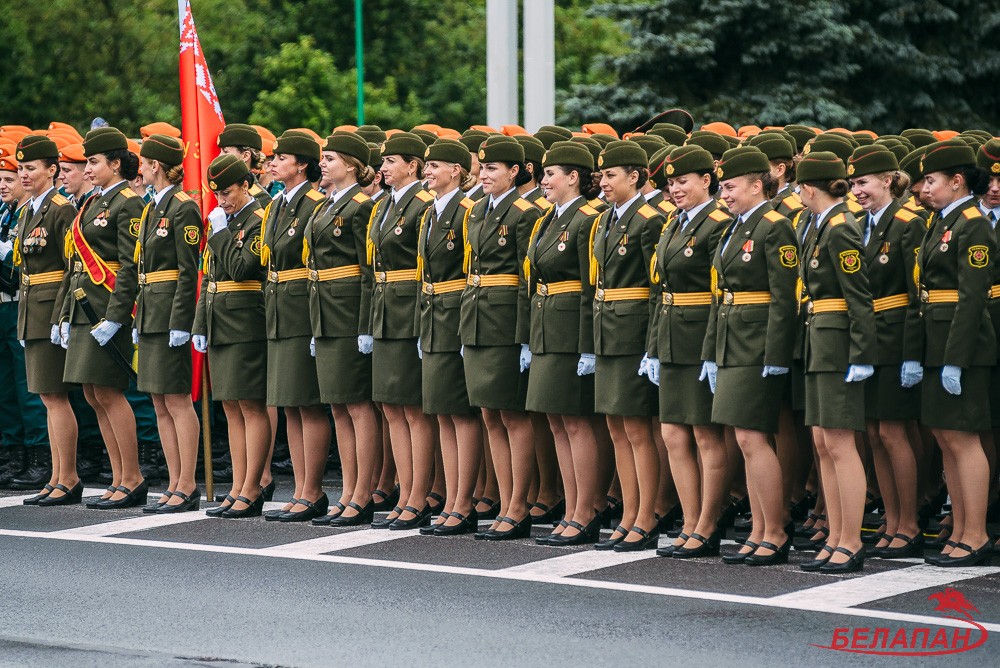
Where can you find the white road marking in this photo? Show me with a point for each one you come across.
(14, 501)
(153, 521)
(578, 562)
(857, 591)
(507, 574)
(333, 543)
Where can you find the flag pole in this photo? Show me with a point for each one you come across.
(359, 56)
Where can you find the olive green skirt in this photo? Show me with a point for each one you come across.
(345, 375)
(554, 387)
(797, 385)
(746, 400)
(291, 373)
(969, 411)
(887, 399)
(87, 363)
(494, 379)
(396, 377)
(238, 371)
(620, 390)
(833, 403)
(995, 395)
(683, 398)
(444, 391)
(45, 364)
(162, 369)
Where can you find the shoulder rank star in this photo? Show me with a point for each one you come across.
(944, 240)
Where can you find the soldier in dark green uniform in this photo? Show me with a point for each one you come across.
(494, 328)
(623, 240)
(840, 340)
(891, 235)
(41, 234)
(748, 343)
(229, 326)
(561, 384)
(396, 379)
(292, 382)
(959, 345)
(246, 143)
(101, 247)
(440, 260)
(340, 290)
(683, 284)
(473, 139)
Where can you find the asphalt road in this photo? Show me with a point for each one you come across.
(92, 588)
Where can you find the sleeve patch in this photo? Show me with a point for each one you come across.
(255, 245)
(192, 235)
(133, 227)
(850, 261)
(979, 256)
(789, 256)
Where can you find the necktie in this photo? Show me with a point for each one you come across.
(869, 226)
(282, 202)
(611, 223)
(390, 204)
(993, 218)
(732, 233)
(682, 219)
(430, 222)
(490, 207)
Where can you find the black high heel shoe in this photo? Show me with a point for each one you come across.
(810, 544)
(70, 497)
(324, 520)
(609, 543)
(943, 536)
(979, 557)
(386, 522)
(855, 562)
(420, 518)
(740, 557)
(211, 512)
(267, 493)
(520, 529)
(709, 547)
(550, 515)
(312, 509)
(153, 506)
(779, 555)
(133, 497)
(933, 559)
(387, 500)
(668, 550)
(647, 541)
(92, 503)
(364, 516)
(914, 547)
(439, 508)
(189, 502)
(253, 509)
(588, 534)
(612, 512)
(804, 531)
(549, 537)
(273, 515)
(33, 500)
(490, 513)
(467, 524)
(814, 565)
(429, 529)
(665, 522)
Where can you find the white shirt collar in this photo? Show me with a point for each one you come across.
(877, 215)
(562, 207)
(495, 199)
(954, 205)
(249, 202)
(821, 217)
(442, 201)
(621, 208)
(651, 194)
(159, 195)
(995, 211)
(111, 187)
(397, 194)
(36, 202)
(290, 193)
(691, 213)
(339, 194)
(744, 217)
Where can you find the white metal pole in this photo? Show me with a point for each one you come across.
(501, 62)
(539, 64)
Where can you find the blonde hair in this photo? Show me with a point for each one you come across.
(364, 173)
(174, 174)
(466, 180)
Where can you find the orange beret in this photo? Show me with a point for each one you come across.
(64, 128)
(842, 131)
(449, 133)
(599, 129)
(8, 163)
(430, 127)
(133, 145)
(944, 135)
(71, 153)
(748, 131)
(345, 128)
(159, 128)
(391, 131)
(23, 129)
(512, 130)
(720, 128)
(15, 135)
(870, 133)
(319, 140)
(267, 139)
(484, 128)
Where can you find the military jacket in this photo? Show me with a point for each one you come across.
(441, 248)
(39, 249)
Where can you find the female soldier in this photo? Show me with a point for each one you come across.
(167, 262)
(891, 235)
(623, 240)
(440, 260)
(561, 383)
(396, 380)
(682, 275)
(101, 245)
(840, 339)
(340, 288)
(43, 224)
(229, 326)
(494, 328)
(748, 343)
(959, 344)
(291, 371)
(246, 143)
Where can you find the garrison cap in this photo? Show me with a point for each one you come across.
(774, 146)
(427, 136)
(671, 133)
(473, 139)
(871, 159)
(568, 154)
(712, 142)
(104, 140)
(298, 142)
(36, 147)
(591, 145)
(501, 148)
(534, 150)
(371, 133)
(163, 148)
(621, 153)
(657, 163)
(348, 143)
(225, 171)
(820, 166)
(240, 135)
(375, 155)
(911, 164)
(827, 143)
(450, 150)
(919, 137)
(947, 154)
(649, 143)
(802, 134)
(404, 143)
(988, 157)
(742, 161)
(688, 159)
(550, 134)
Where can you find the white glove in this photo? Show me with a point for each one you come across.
(135, 336)
(858, 372)
(23, 343)
(420, 353)
(644, 364)
(773, 371)
(525, 357)
(365, 344)
(200, 343)
(911, 373)
(709, 370)
(178, 338)
(653, 370)
(5, 249)
(54, 337)
(64, 334)
(586, 365)
(951, 379)
(103, 331)
(461, 352)
(312, 346)
(217, 219)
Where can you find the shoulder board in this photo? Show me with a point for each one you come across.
(260, 213)
(314, 194)
(773, 216)
(255, 190)
(543, 203)
(906, 216)
(838, 219)
(587, 210)
(596, 202)
(854, 206)
(182, 196)
(360, 198)
(467, 203)
(972, 212)
(647, 211)
(127, 193)
(718, 216)
(424, 196)
(59, 200)
(911, 205)
(523, 204)
(792, 202)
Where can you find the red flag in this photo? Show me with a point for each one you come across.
(201, 123)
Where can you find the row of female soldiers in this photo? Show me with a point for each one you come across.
(652, 330)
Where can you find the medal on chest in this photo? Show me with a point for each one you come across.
(338, 226)
(399, 227)
(291, 230)
(502, 232)
(944, 241)
(239, 238)
(689, 249)
(36, 241)
(102, 219)
(563, 238)
(161, 227)
(450, 236)
(747, 250)
(622, 245)
(883, 257)
(814, 262)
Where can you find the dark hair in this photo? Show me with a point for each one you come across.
(643, 174)
(522, 177)
(977, 179)
(49, 162)
(313, 172)
(257, 158)
(789, 164)
(536, 170)
(420, 164)
(835, 188)
(127, 160)
(713, 183)
(174, 173)
(769, 182)
(589, 187)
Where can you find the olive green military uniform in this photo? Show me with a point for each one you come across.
(840, 330)
(804, 230)
(954, 268)
(291, 370)
(167, 263)
(40, 242)
(396, 376)
(623, 248)
(562, 311)
(442, 247)
(230, 311)
(262, 196)
(683, 292)
(494, 311)
(340, 291)
(889, 259)
(110, 225)
(787, 203)
(753, 322)
(536, 196)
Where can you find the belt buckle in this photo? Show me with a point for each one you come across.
(728, 298)
(600, 294)
(25, 280)
(78, 266)
(476, 280)
(142, 279)
(924, 296)
(668, 298)
(380, 277)
(313, 275)
(213, 287)
(428, 288)
(272, 276)
(543, 289)
(809, 307)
